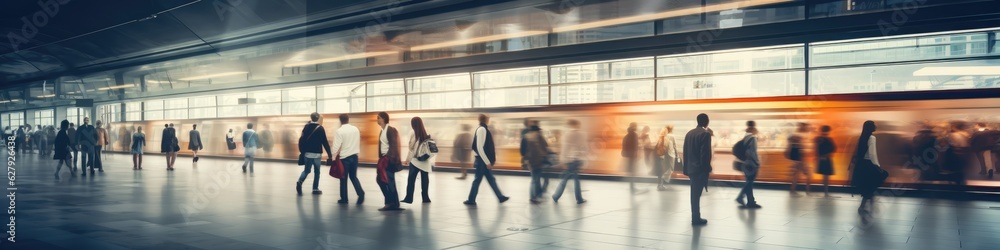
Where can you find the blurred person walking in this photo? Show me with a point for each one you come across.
(421, 160)
(630, 153)
(669, 157)
(746, 152)
(825, 147)
(575, 149)
(984, 141)
(485, 152)
(312, 142)
(169, 145)
(138, 143)
(462, 150)
(389, 162)
(698, 164)
(647, 145)
(867, 174)
(796, 154)
(194, 142)
(250, 145)
(536, 153)
(102, 140)
(62, 149)
(86, 137)
(347, 145)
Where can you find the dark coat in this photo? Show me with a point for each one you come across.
(698, 153)
(392, 135)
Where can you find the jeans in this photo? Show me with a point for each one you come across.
(483, 171)
(572, 172)
(87, 160)
(350, 174)
(389, 189)
(98, 164)
(248, 162)
(750, 173)
(76, 155)
(630, 166)
(424, 184)
(314, 164)
(537, 187)
(698, 184)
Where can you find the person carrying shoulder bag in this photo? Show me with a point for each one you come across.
(311, 145)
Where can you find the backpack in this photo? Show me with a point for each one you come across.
(740, 149)
(432, 145)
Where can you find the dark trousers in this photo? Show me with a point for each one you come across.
(482, 171)
(631, 168)
(539, 182)
(76, 154)
(572, 172)
(750, 173)
(424, 183)
(87, 158)
(350, 174)
(98, 163)
(698, 184)
(389, 188)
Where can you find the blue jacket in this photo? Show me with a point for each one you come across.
(249, 139)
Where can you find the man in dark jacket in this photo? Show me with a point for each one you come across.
(486, 157)
(535, 150)
(630, 151)
(388, 150)
(311, 145)
(698, 164)
(86, 138)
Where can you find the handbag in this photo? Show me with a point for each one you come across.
(337, 168)
(381, 175)
(302, 156)
(738, 166)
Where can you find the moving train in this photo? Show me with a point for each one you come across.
(900, 117)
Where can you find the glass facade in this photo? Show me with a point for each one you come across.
(133, 111)
(108, 113)
(12, 120)
(75, 115)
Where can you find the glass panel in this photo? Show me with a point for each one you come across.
(831, 8)
(736, 61)
(153, 115)
(511, 78)
(580, 73)
(199, 113)
(438, 83)
(232, 111)
(44, 118)
(231, 99)
(175, 114)
(386, 103)
(721, 18)
(391, 87)
(633, 69)
(340, 106)
(298, 108)
(908, 77)
(342, 90)
(133, 116)
(270, 96)
(202, 101)
(525, 96)
(133, 106)
(901, 49)
(605, 33)
(266, 109)
(732, 86)
(299, 94)
(626, 91)
(450, 100)
(175, 103)
(154, 105)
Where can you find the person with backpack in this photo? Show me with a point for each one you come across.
(666, 151)
(536, 153)
(423, 151)
(745, 151)
(312, 142)
(824, 157)
(795, 153)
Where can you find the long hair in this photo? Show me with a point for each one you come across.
(418, 129)
(64, 125)
(866, 133)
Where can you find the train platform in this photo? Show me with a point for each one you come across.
(213, 205)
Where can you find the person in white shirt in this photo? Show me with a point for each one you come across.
(347, 145)
(575, 149)
(861, 168)
(419, 149)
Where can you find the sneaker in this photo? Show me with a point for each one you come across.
(407, 201)
(298, 187)
(699, 222)
(470, 203)
(427, 200)
(502, 200)
(317, 191)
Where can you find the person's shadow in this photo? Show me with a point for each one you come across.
(696, 237)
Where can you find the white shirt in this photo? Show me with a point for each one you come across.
(574, 146)
(384, 140)
(426, 166)
(871, 155)
(480, 143)
(347, 141)
(671, 144)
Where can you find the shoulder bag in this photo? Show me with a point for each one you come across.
(302, 156)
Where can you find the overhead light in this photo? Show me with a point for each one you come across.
(47, 96)
(340, 58)
(117, 87)
(479, 40)
(213, 75)
(72, 92)
(958, 71)
(668, 14)
(156, 82)
(9, 101)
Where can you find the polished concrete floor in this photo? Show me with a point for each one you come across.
(213, 205)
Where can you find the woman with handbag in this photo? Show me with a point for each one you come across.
(230, 140)
(421, 159)
(62, 149)
(867, 174)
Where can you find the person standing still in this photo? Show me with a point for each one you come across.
(102, 140)
(575, 148)
(485, 152)
(347, 145)
(750, 167)
(138, 142)
(630, 152)
(824, 157)
(462, 150)
(698, 164)
(249, 147)
(421, 161)
(311, 144)
(388, 151)
(796, 153)
(194, 144)
(86, 136)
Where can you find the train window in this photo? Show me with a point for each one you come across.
(732, 86)
(620, 91)
(506, 97)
